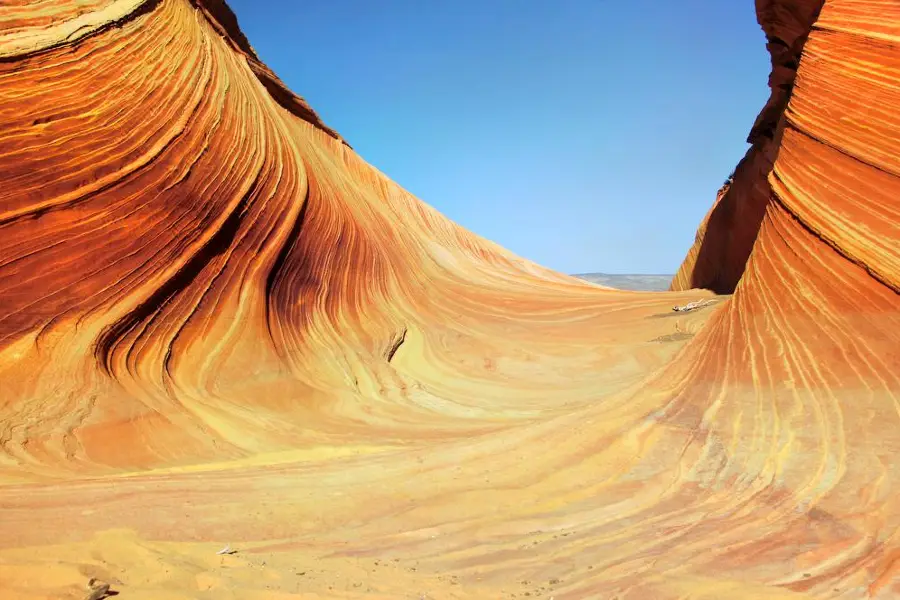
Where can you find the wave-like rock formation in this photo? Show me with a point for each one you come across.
(220, 326)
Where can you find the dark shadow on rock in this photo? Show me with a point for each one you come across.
(735, 221)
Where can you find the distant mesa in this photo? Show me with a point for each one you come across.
(634, 282)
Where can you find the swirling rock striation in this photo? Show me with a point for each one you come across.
(219, 325)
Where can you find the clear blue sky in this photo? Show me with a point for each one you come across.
(587, 135)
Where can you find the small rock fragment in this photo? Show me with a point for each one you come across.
(97, 589)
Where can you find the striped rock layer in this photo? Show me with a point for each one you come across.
(219, 325)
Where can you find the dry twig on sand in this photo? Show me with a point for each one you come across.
(692, 305)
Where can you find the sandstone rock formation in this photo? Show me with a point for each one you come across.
(219, 325)
(726, 237)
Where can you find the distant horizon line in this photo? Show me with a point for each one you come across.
(625, 274)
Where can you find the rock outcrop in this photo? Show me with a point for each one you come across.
(220, 327)
(724, 240)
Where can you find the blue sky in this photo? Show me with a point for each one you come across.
(587, 135)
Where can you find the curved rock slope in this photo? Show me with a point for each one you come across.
(218, 325)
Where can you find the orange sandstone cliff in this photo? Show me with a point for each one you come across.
(220, 327)
(724, 241)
